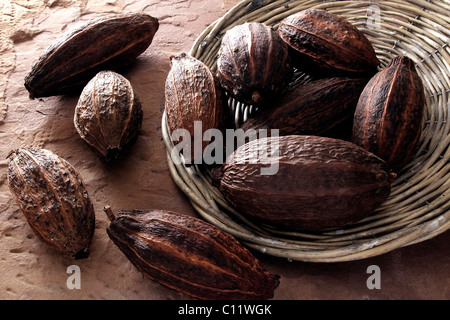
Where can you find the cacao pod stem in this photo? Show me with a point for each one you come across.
(256, 97)
(109, 213)
(392, 177)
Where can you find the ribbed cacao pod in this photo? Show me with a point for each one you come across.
(310, 109)
(192, 94)
(108, 115)
(189, 255)
(253, 63)
(102, 44)
(315, 183)
(53, 199)
(324, 44)
(388, 117)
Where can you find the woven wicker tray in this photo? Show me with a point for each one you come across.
(419, 205)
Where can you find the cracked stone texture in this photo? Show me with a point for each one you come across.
(28, 270)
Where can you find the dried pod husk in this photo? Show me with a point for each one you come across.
(310, 109)
(193, 99)
(190, 255)
(301, 182)
(324, 44)
(388, 117)
(53, 198)
(108, 115)
(253, 63)
(107, 43)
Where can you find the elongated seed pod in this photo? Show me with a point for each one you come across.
(388, 117)
(324, 44)
(253, 63)
(108, 115)
(53, 199)
(107, 43)
(192, 95)
(300, 182)
(313, 108)
(190, 255)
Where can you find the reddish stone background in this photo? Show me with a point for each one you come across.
(28, 270)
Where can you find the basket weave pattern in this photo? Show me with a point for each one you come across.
(418, 207)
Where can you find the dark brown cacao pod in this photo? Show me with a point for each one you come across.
(388, 117)
(108, 115)
(253, 63)
(310, 109)
(190, 255)
(53, 199)
(325, 44)
(103, 44)
(316, 183)
(192, 95)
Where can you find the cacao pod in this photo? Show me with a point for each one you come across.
(53, 199)
(324, 44)
(189, 255)
(102, 44)
(108, 115)
(193, 94)
(316, 183)
(253, 63)
(388, 117)
(310, 109)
